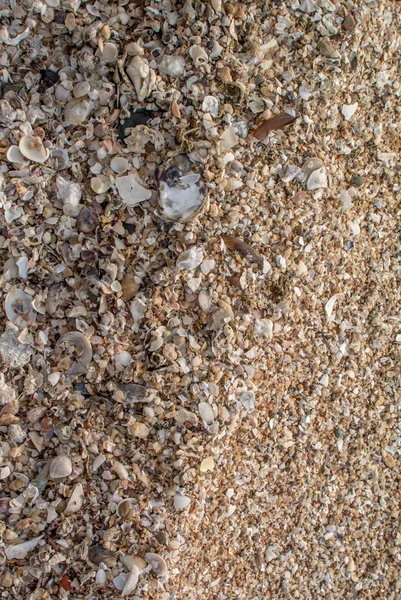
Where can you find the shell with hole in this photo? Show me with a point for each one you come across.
(32, 148)
(181, 192)
(18, 308)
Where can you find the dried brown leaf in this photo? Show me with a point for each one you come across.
(277, 122)
(245, 250)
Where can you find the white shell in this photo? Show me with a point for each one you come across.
(198, 55)
(100, 184)
(119, 164)
(308, 6)
(19, 551)
(60, 467)
(32, 148)
(210, 105)
(18, 308)
(109, 53)
(131, 582)
(123, 358)
(76, 500)
(81, 89)
(317, 179)
(77, 111)
(206, 412)
(53, 3)
(101, 577)
(69, 192)
(172, 65)
(264, 327)
(157, 562)
(190, 259)
(247, 400)
(348, 110)
(131, 191)
(181, 502)
(139, 430)
(120, 469)
(142, 76)
(15, 156)
(329, 306)
(80, 341)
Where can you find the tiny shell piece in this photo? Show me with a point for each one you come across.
(317, 179)
(20, 551)
(181, 502)
(206, 412)
(131, 191)
(60, 467)
(190, 259)
(76, 500)
(210, 105)
(109, 53)
(329, 306)
(119, 164)
(158, 563)
(348, 110)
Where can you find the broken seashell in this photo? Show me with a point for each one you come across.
(131, 191)
(70, 193)
(131, 581)
(206, 412)
(88, 220)
(142, 76)
(181, 502)
(317, 179)
(140, 430)
(125, 508)
(190, 259)
(100, 184)
(18, 308)
(172, 65)
(20, 551)
(76, 500)
(207, 464)
(182, 193)
(32, 148)
(198, 55)
(109, 53)
(60, 467)
(77, 111)
(119, 164)
(142, 138)
(81, 89)
(14, 155)
(83, 350)
(97, 555)
(157, 562)
(329, 306)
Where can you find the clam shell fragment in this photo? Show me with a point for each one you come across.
(32, 148)
(182, 193)
(83, 348)
(18, 308)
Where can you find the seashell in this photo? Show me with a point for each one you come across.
(131, 191)
(206, 412)
(172, 65)
(77, 111)
(123, 358)
(81, 89)
(312, 164)
(329, 306)
(264, 327)
(207, 464)
(69, 192)
(120, 580)
(190, 259)
(32, 148)
(317, 179)
(157, 562)
(181, 502)
(7, 393)
(198, 55)
(101, 577)
(131, 581)
(10, 269)
(125, 508)
(133, 392)
(97, 555)
(142, 77)
(87, 221)
(109, 53)
(76, 500)
(59, 159)
(18, 308)
(139, 430)
(247, 400)
(120, 469)
(84, 348)
(140, 138)
(181, 192)
(100, 184)
(119, 164)
(20, 551)
(60, 467)
(129, 286)
(348, 110)
(308, 6)
(53, 3)
(14, 155)
(210, 105)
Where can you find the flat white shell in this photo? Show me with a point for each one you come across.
(131, 191)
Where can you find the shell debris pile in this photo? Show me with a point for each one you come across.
(200, 326)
